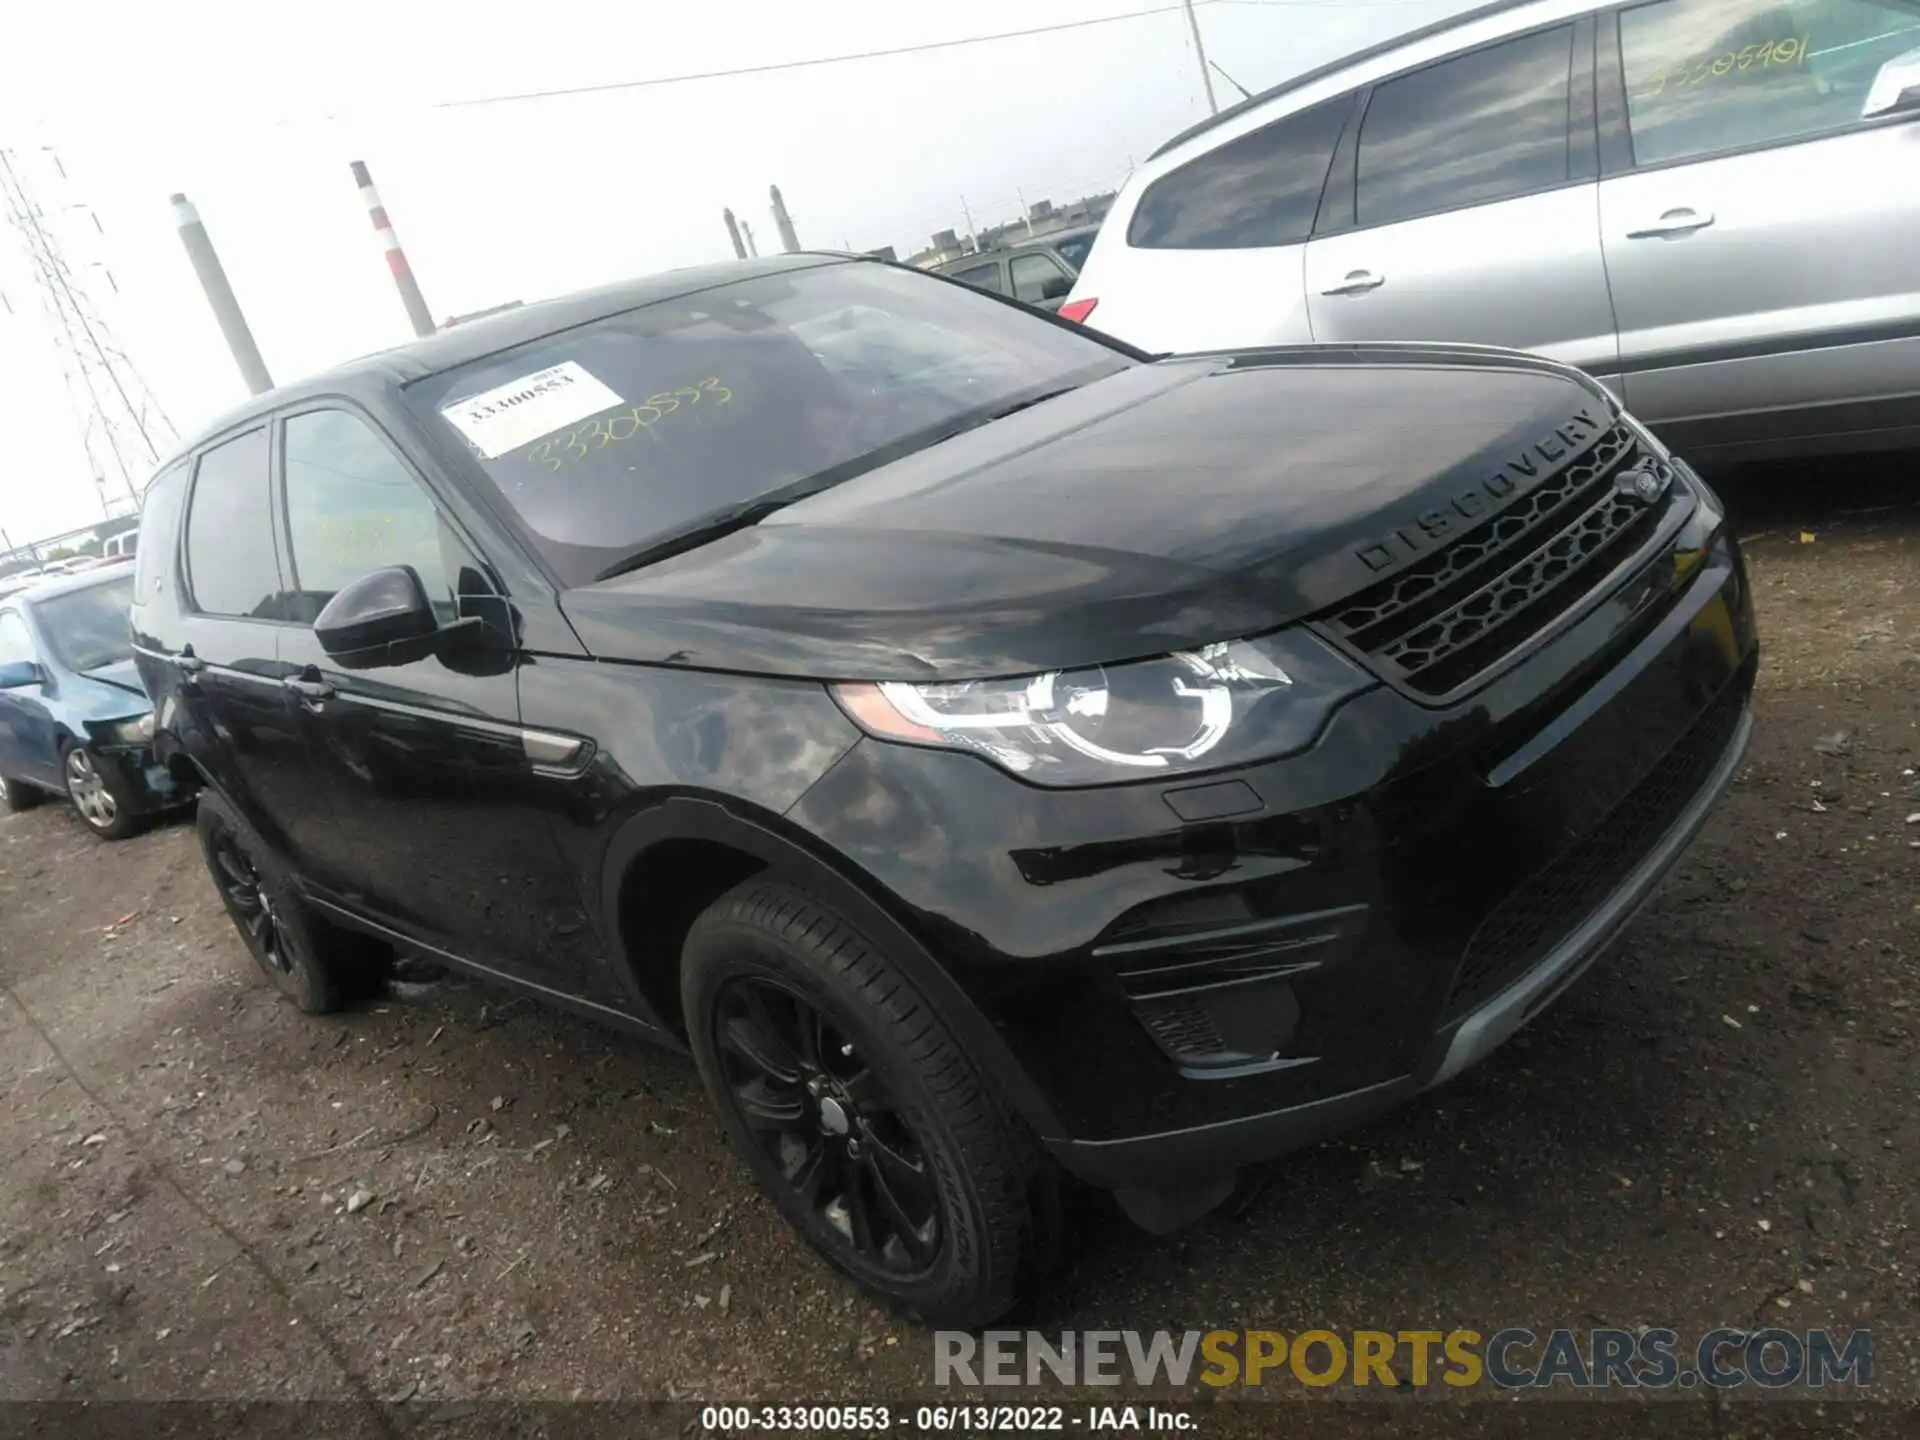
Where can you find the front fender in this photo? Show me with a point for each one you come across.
(789, 853)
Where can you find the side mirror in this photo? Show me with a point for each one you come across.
(1896, 89)
(388, 607)
(20, 674)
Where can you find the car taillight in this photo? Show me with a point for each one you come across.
(1077, 310)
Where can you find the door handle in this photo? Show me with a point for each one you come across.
(188, 663)
(1681, 221)
(1358, 282)
(311, 691)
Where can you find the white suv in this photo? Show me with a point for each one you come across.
(1712, 205)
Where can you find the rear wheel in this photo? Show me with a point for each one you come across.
(17, 795)
(101, 796)
(861, 1116)
(317, 966)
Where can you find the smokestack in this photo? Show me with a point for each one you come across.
(733, 234)
(783, 222)
(410, 295)
(226, 309)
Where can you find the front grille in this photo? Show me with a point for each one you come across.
(1451, 617)
(1557, 899)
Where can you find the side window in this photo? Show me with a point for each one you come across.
(160, 523)
(1075, 250)
(1710, 75)
(230, 561)
(353, 507)
(16, 645)
(1261, 189)
(1037, 278)
(981, 277)
(1478, 128)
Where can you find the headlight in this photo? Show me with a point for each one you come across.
(1202, 709)
(133, 732)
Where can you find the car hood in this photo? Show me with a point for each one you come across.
(121, 675)
(1170, 505)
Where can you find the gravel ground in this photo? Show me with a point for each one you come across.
(451, 1198)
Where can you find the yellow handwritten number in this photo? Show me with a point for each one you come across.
(645, 416)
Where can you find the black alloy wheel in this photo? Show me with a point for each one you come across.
(250, 905)
(863, 1117)
(314, 964)
(829, 1124)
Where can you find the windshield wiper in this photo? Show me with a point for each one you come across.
(715, 525)
(718, 524)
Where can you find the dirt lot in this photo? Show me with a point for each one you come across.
(449, 1197)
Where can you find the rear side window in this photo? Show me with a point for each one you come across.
(354, 507)
(1261, 189)
(160, 528)
(1075, 250)
(1469, 131)
(1037, 278)
(230, 563)
(981, 277)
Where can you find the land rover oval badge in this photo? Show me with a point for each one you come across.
(1643, 483)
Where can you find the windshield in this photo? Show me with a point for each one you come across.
(89, 628)
(609, 437)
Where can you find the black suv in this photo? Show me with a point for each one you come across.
(993, 752)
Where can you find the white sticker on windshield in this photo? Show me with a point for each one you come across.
(519, 413)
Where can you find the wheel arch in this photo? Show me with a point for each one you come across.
(650, 854)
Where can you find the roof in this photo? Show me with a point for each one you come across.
(54, 585)
(476, 339)
(1334, 67)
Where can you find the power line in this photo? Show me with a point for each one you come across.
(816, 60)
(117, 437)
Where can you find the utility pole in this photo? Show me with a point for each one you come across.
(783, 222)
(1025, 213)
(1206, 75)
(972, 235)
(409, 288)
(747, 230)
(226, 309)
(733, 234)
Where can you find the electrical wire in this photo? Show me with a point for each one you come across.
(822, 59)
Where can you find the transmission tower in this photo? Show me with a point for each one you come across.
(122, 427)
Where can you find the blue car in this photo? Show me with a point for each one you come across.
(74, 718)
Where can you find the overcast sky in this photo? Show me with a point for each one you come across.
(255, 111)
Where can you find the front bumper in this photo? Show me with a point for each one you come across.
(150, 784)
(1191, 977)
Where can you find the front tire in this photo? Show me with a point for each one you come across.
(313, 964)
(100, 795)
(859, 1113)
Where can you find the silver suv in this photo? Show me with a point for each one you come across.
(1712, 205)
